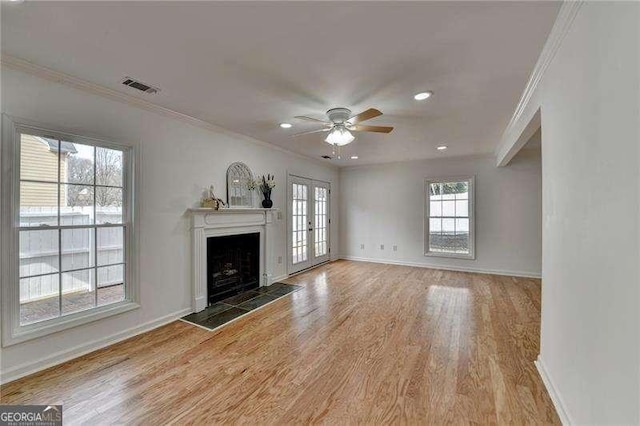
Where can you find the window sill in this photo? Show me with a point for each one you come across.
(451, 255)
(33, 331)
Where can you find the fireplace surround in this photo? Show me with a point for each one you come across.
(208, 224)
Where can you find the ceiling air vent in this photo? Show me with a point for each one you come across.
(143, 87)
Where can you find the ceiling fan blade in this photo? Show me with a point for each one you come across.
(315, 120)
(378, 129)
(311, 131)
(365, 115)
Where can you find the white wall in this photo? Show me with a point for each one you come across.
(178, 160)
(590, 139)
(384, 204)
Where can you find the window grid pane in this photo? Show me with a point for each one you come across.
(38, 204)
(77, 248)
(38, 252)
(76, 265)
(39, 298)
(78, 291)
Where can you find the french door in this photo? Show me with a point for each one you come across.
(308, 223)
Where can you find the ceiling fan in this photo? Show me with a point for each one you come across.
(341, 123)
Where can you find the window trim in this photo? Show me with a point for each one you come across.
(12, 331)
(472, 217)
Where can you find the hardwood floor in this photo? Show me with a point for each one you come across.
(361, 343)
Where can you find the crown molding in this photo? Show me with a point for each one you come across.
(528, 105)
(27, 67)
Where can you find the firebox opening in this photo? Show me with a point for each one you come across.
(233, 265)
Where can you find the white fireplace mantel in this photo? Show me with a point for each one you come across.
(233, 221)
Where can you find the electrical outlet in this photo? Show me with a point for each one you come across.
(381, 246)
(279, 259)
(361, 246)
(395, 248)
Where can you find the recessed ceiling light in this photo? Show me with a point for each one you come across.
(441, 148)
(286, 125)
(354, 157)
(422, 96)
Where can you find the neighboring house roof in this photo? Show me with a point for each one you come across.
(65, 147)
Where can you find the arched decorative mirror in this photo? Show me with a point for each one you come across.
(239, 178)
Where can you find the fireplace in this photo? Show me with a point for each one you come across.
(233, 265)
(210, 224)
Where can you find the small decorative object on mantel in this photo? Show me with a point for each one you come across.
(265, 185)
(210, 201)
(252, 185)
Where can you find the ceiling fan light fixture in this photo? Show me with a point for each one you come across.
(339, 136)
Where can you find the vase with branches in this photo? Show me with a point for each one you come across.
(265, 185)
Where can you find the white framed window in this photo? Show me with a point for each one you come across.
(449, 217)
(69, 246)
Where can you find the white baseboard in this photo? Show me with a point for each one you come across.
(553, 393)
(280, 278)
(446, 268)
(201, 303)
(285, 276)
(56, 358)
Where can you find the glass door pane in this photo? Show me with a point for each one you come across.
(321, 221)
(299, 224)
(299, 221)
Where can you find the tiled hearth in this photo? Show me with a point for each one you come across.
(234, 307)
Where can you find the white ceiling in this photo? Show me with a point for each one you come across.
(249, 66)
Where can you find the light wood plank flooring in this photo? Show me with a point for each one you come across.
(361, 343)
